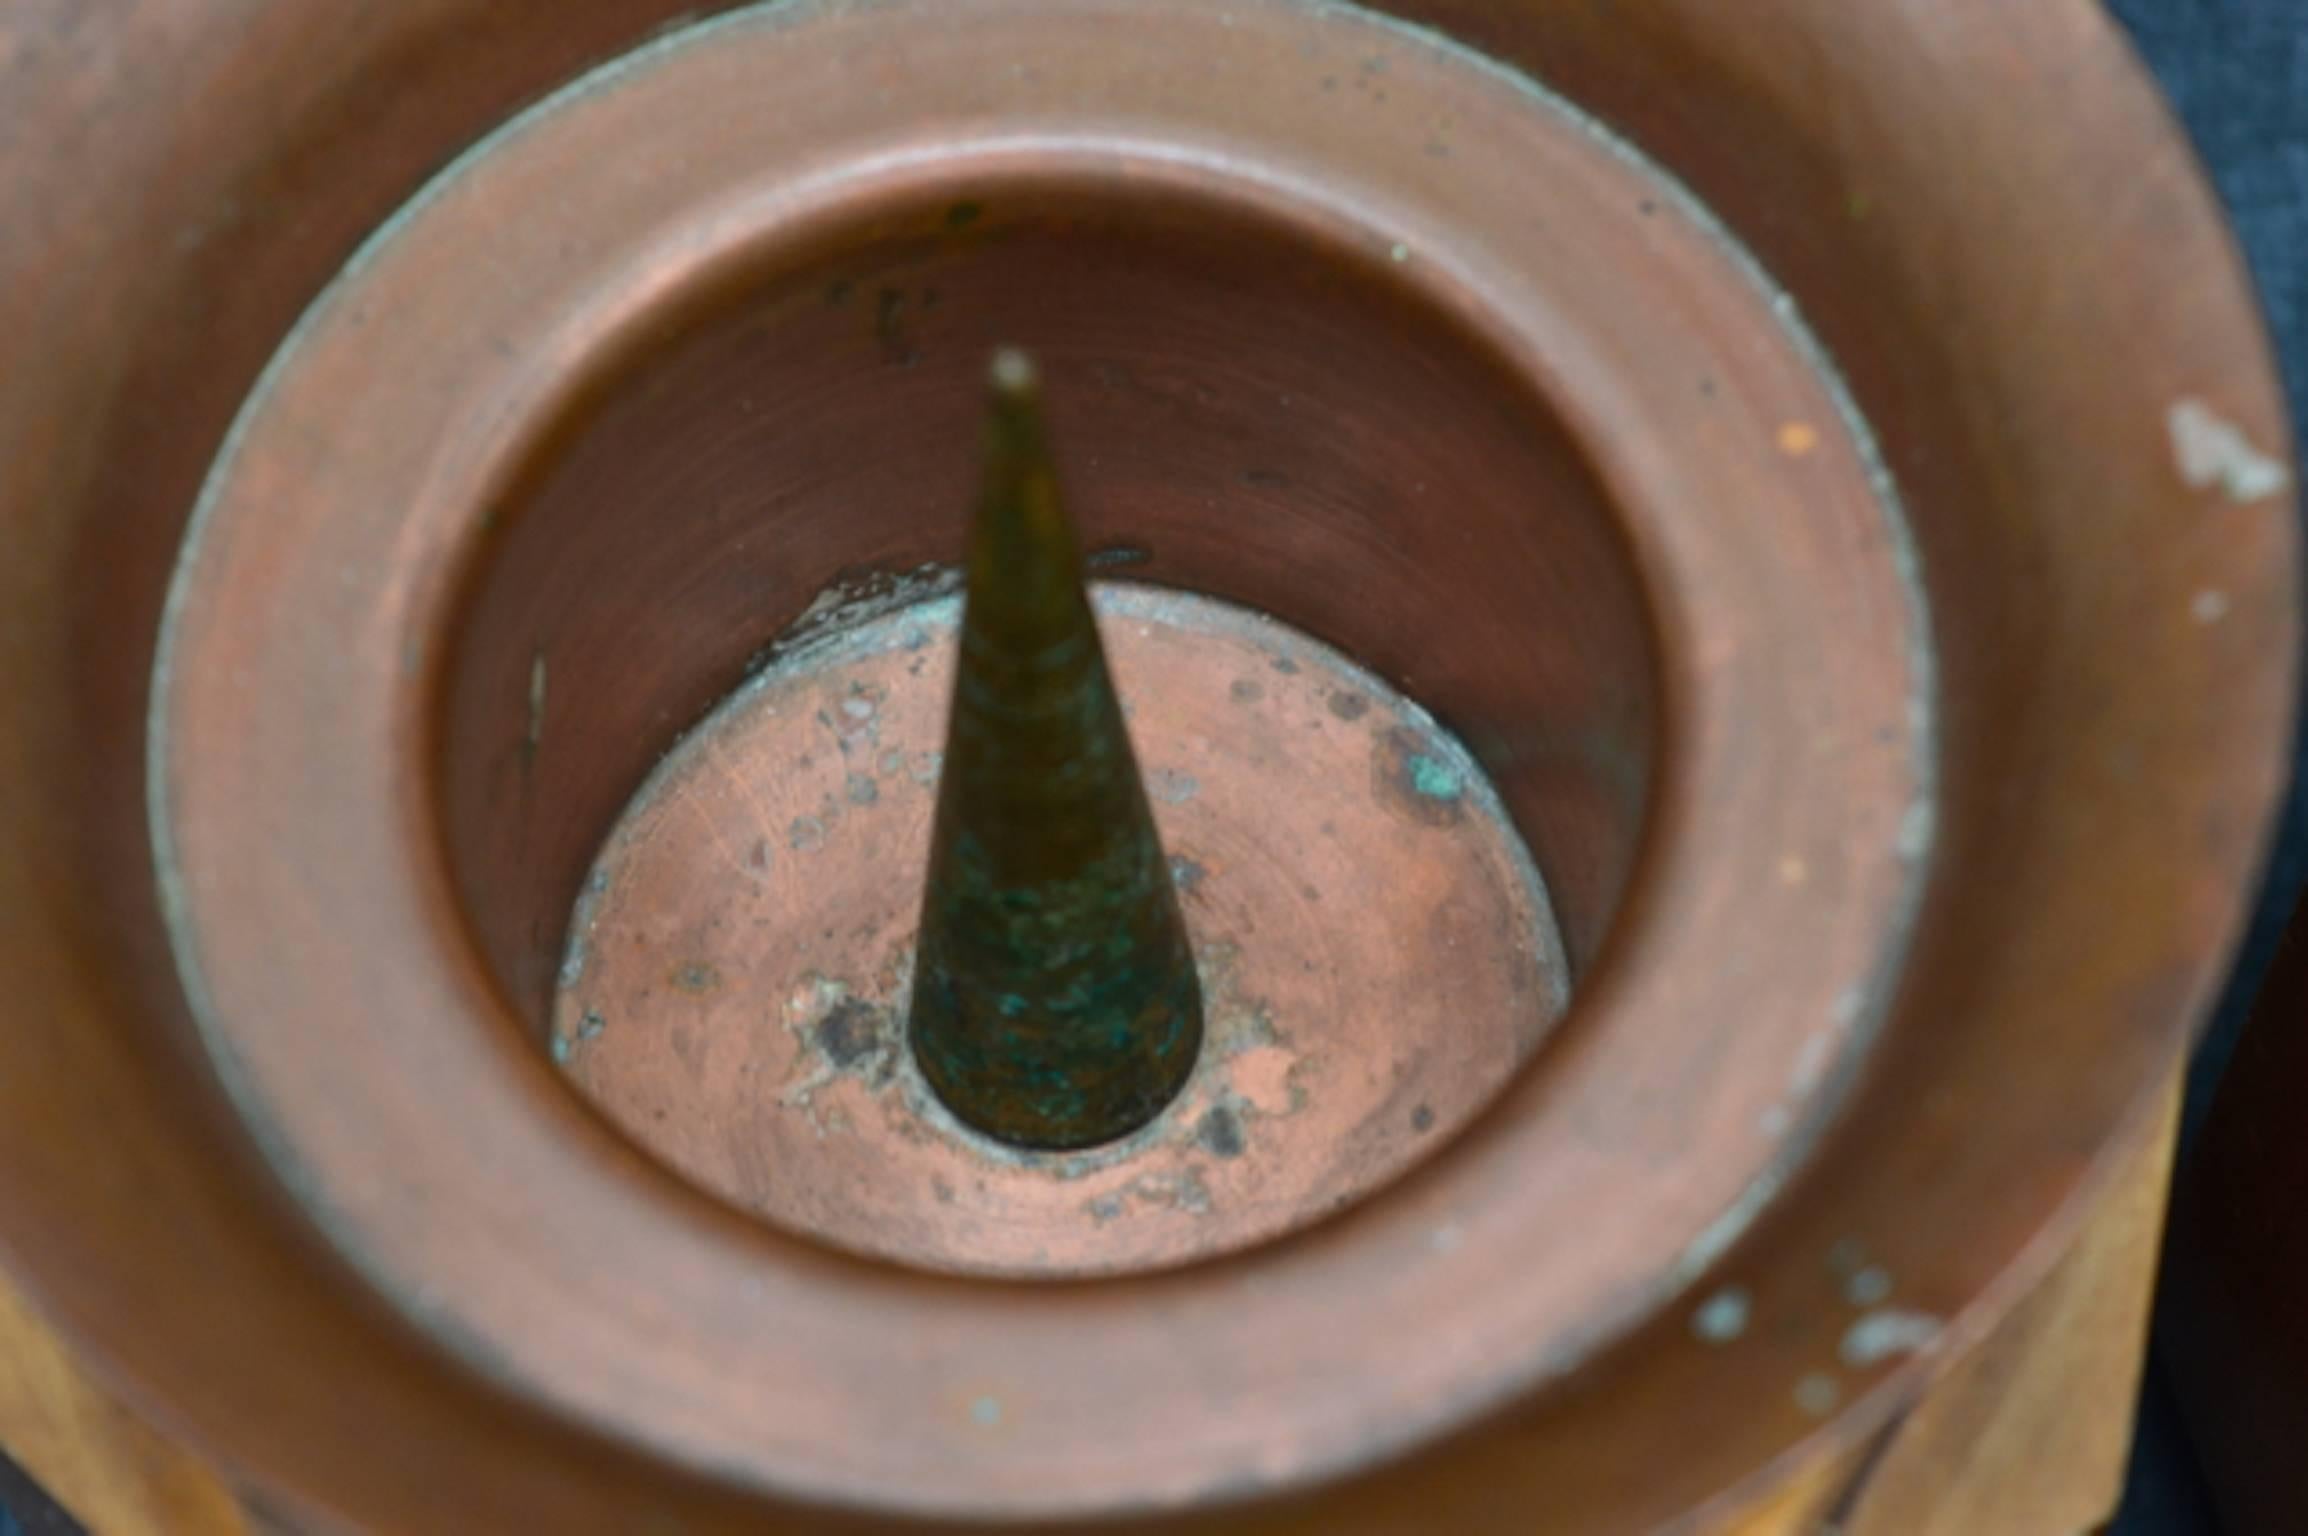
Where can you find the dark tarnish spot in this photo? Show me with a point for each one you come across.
(1422, 1119)
(897, 345)
(1349, 706)
(1247, 691)
(1220, 1133)
(1417, 779)
(963, 214)
(759, 857)
(851, 1033)
(696, 978)
(1266, 479)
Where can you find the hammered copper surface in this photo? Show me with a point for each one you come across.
(2114, 631)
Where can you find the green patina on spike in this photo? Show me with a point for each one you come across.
(1055, 1002)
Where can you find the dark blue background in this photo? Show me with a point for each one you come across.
(2237, 71)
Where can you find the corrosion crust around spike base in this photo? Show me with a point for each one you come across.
(1375, 951)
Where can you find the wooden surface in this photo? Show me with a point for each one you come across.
(98, 1459)
(2026, 1436)
(2030, 1433)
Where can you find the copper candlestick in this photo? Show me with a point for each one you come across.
(1755, 540)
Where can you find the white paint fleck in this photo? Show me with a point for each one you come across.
(2210, 606)
(1915, 831)
(1811, 1062)
(986, 1413)
(1173, 1191)
(2212, 451)
(858, 709)
(1400, 253)
(1885, 1334)
(1723, 1317)
(1446, 1238)
(1870, 1287)
(1817, 1394)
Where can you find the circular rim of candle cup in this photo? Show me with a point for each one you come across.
(1480, 1223)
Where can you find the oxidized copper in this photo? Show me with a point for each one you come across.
(1888, 660)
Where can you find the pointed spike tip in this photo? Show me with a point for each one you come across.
(1014, 375)
(1056, 1004)
(1025, 565)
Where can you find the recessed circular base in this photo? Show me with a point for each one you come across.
(1377, 951)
